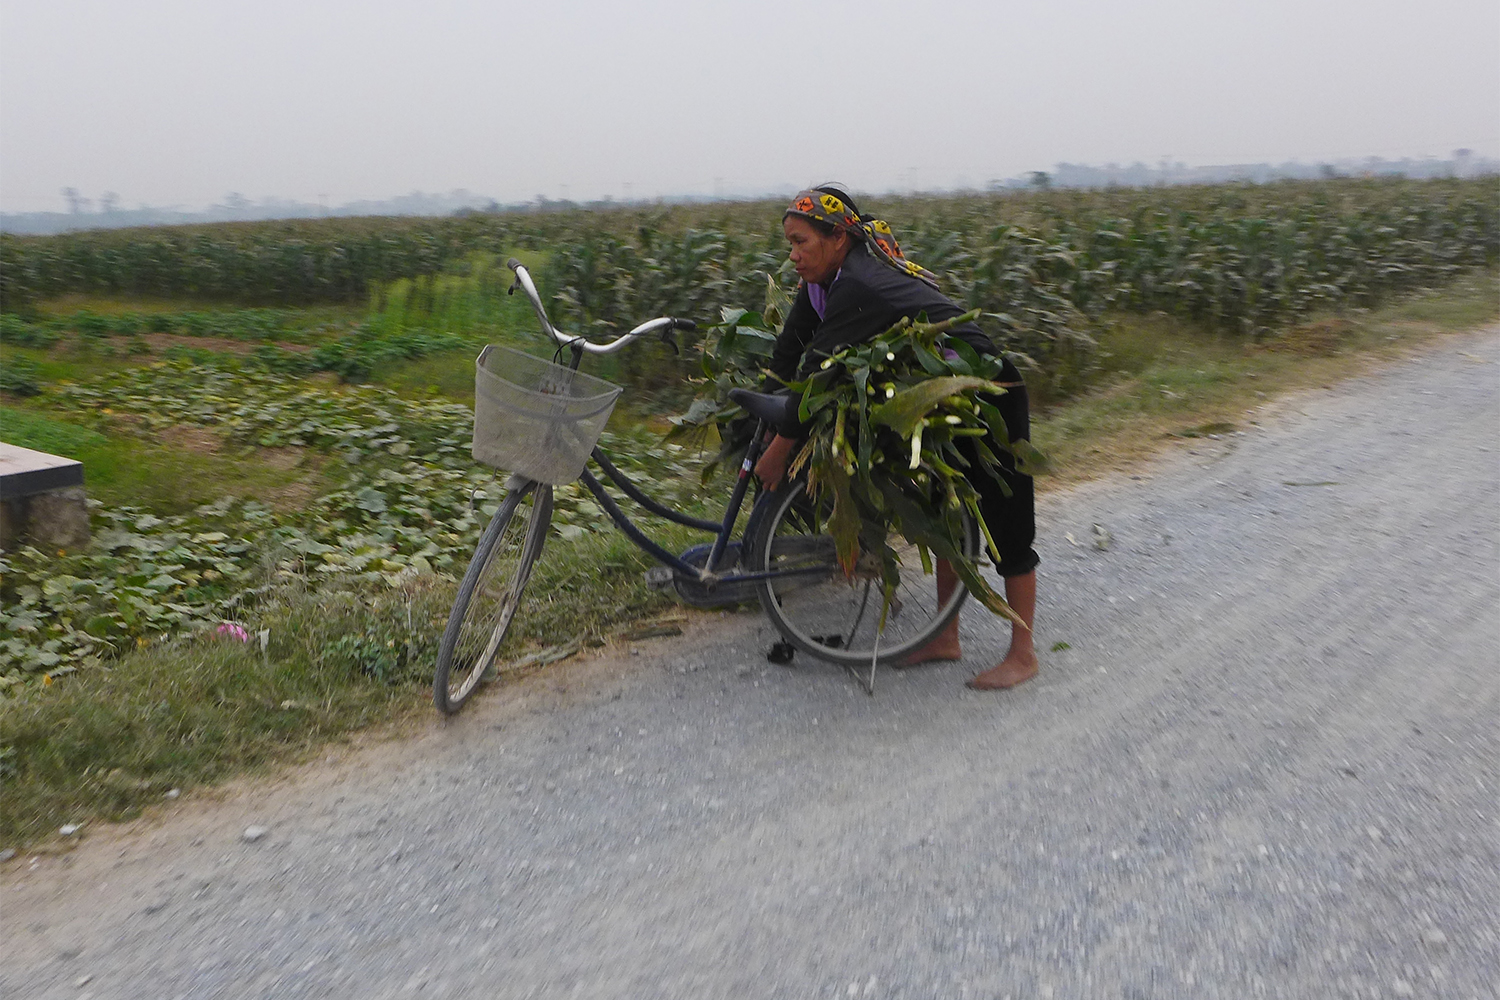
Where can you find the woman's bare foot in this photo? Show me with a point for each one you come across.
(1020, 664)
(944, 646)
(1018, 667)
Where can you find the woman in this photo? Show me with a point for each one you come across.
(856, 284)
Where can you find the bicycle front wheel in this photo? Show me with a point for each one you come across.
(490, 593)
(835, 617)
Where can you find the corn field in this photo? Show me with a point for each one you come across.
(1242, 258)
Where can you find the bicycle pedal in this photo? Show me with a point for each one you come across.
(658, 577)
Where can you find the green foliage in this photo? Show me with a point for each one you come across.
(19, 377)
(18, 332)
(357, 355)
(1244, 258)
(42, 433)
(411, 503)
(884, 423)
(445, 374)
(605, 283)
(469, 297)
(251, 406)
(91, 324)
(123, 467)
(251, 325)
(371, 652)
(133, 582)
(102, 743)
(892, 426)
(274, 262)
(733, 354)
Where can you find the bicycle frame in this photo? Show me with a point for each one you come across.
(723, 530)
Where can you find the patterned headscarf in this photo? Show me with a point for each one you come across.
(821, 206)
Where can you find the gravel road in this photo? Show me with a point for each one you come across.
(1260, 762)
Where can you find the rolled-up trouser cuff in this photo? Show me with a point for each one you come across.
(1020, 566)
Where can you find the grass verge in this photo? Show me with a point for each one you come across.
(447, 374)
(105, 744)
(173, 477)
(1164, 381)
(199, 710)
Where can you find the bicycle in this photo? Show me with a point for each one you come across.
(542, 421)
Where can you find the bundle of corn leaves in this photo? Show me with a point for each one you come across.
(884, 421)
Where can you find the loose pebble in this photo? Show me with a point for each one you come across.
(68, 829)
(7, 854)
(253, 833)
(1403, 989)
(1434, 937)
(172, 793)
(83, 980)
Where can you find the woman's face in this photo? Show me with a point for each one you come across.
(815, 256)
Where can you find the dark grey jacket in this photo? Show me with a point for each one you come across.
(866, 299)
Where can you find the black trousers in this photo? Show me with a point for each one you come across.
(1011, 519)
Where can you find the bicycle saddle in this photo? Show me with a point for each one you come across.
(778, 410)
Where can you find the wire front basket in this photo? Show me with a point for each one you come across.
(535, 418)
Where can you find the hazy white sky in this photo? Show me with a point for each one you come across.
(176, 102)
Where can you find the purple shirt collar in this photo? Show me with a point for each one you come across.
(818, 295)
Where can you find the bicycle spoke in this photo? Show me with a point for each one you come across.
(854, 629)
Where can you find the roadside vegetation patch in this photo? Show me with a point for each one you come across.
(408, 500)
(274, 424)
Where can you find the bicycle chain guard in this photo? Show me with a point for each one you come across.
(695, 593)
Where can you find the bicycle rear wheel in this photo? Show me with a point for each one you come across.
(831, 616)
(490, 593)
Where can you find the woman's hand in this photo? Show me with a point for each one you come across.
(773, 461)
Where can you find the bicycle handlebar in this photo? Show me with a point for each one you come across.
(662, 324)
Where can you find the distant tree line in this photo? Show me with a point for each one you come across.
(236, 207)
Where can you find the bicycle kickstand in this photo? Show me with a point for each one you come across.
(867, 683)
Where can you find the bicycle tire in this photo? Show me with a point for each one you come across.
(832, 617)
(490, 594)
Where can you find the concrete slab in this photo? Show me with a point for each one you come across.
(42, 502)
(24, 472)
